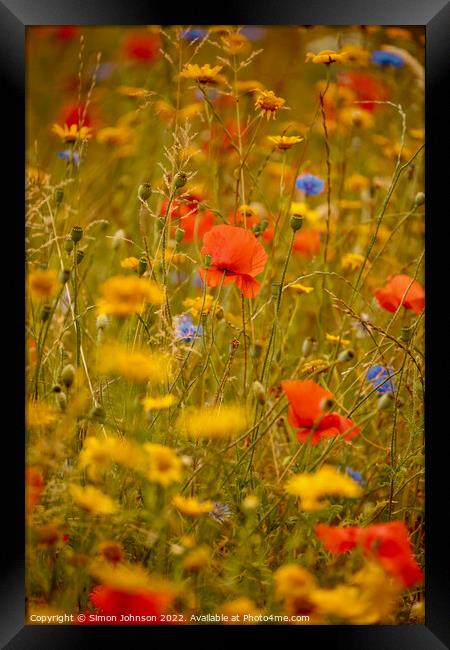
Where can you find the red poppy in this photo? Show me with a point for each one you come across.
(74, 114)
(307, 401)
(66, 32)
(366, 88)
(142, 46)
(112, 602)
(187, 215)
(34, 485)
(236, 256)
(401, 290)
(307, 242)
(388, 543)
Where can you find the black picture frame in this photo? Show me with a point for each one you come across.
(15, 16)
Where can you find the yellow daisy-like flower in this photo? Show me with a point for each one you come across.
(293, 581)
(355, 116)
(239, 607)
(300, 288)
(133, 92)
(314, 366)
(246, 211)
(72, 133)
(139, 365)
(36, 176)
(100, 453)
(192, 507)
(130, 263)
(204, 74)
(326, 56)
(40, 415)
(163, 465)
(115, 136)
(126, 294)
(129, 578)
(42, 284)
(197, 559)
(336, 339)
(158, 403)
(312, 488)
(92, 500)
(284, 142)
(235, 43)
(216, 422)
(352, 261)
(269, 104)
(297, 207)
(356, 183)
(249, 86)
(196, 305)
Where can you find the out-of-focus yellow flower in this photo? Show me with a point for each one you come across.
(356, 183)
(327, 57)
(399, 32)
(163, 465)
(348, 204)
(298, 207)
(337, 339)
(311, 488)
(191, 110)
(417, 134)
(205, 74)
(355, 116)
(139, 365)
(42, 284)
(115, 136)
(366, 230)
(98, 453)
(197, 559)
(111, 551)
(192, 507)
(235, 43)
(164, 110)
(314, 366)
(356, 54)
(239, 607)
(72, 133)
(216, 422)
(40, 415)
(300, 288)
(93, 500)
(284, 142)
(128, 578)
(195, 305)
(352, 261)
(268, 104)
(130, 263)
(36, 176)
(249, 86)
(133, 92)
(294, 586)
(123, 295)
(158, 403)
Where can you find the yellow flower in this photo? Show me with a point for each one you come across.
(283, 142)
(298, 207)
(195, 305)
(239, 607)
(72, 133)
(347, 204)
(417, 134)
(249, 86)
(93, 500)
(192, 507)
(130, 263)
(327, 57)
(202, 74)
(163, 465)
(352, 261)
(126, 294)
(115, 136)
(139, 365)
(130, 578)
(268, 103)
(133, 92)
(215, 422)
(158, 403)
(42, 284)
(165, 110)
(111, 551)
(300, 288)
(235, 43)
(399, 32)
(314, 366)
(40, 415)
(355, 116)
(311, 488)
(191, 110)
(337, 339)
(247, 211)
(356, 54)
(197, 559)
(292, 580)
(356, 183)
(36, 176)
(99, 453)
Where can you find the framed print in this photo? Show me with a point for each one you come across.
(224, 240)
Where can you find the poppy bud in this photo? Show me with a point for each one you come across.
(68, 245)
(97, 412)
(263, 224)
(61, 401)
(180, 180)
(208, 259)
(385, 402)
(219, 313)
(420, 199)
(405, 334)
(179, 235)
(256, 229)
(144, 191)
(259, 392)
(308, 345)
(59, 195)
(345, 355)
(45, 312)
(76, 234)
(56, 388)
(80, 257)
(296, 222)
(326, 404)
(64, 276)
(68, 375)
(102, 322)
(142, 265)
(117, 239)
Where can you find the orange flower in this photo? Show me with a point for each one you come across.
(388, 543)
(308, 411)
(113, 602)
(34, 486)
(401, 290)
(236, 256)
(307, 243)
(142, 46)
(194, 223)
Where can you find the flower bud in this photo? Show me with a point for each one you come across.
(56, 388)
(308, 345)
(296, 222)
(180, 180)
(208, 259)
(68, 245)
(219, 313)
(144, 191)
(345, 355)
(59, 195)
(117, 239)
(68, 375)
(405, 334)
(61, 401)
(259, 392)
(102, 322)
(179, 235)
(64, 276)
(256, 230)
(256, 350)
(420, 199)
(97, 412)
(80, 257)
(263, 224)
(76, 234)
(142, 265)
(251, 502)
(385, 402)
(45, 312)
(326, 404)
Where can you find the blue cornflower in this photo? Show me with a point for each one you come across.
(185, 330)
(69, 156)
(356, 476)
(192, 34)
(221, 512)
(310, 184)
(253, 32)
(379, 376)
(382, 57)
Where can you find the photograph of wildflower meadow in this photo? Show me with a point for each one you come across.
(224, 325)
